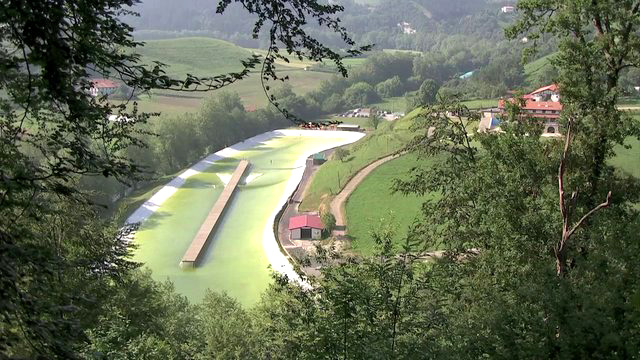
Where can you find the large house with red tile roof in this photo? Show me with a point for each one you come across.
(305, 227)
(543, 103)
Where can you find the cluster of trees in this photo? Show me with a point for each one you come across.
(418, 77)
(174, 142)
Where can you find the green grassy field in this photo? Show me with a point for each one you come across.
(394, 51)
(533, 67)
(480, 103)
(197, 56)
(628, 160)
(362, 208)
(393, 104)
(206, 57)
(333, 175)
(373, 201)
(629, 101)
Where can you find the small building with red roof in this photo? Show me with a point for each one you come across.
(305, 227)
(543, 104)
(102, 87)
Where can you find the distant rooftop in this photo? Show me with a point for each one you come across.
(103, 83)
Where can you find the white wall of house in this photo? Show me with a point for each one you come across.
(316, 234)
(295, 234)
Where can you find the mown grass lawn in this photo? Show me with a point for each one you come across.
(628, 160)
(333, 175)
(393, 104)
(373, 203)
(195, 55)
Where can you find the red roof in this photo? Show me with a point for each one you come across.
(536, 105)
(532, 105)
(103, 83)
(552, 87)
(312, 221)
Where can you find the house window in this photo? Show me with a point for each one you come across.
(551, 130)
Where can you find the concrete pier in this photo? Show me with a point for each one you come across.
(206, 229)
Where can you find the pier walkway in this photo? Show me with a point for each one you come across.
(202, 236)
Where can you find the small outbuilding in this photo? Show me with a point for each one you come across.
(319, 158)
(305, 227)
(349, 127)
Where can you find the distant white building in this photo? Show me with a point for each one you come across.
(508, 9)
(406, 28)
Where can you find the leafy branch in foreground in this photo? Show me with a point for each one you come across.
(286, 22)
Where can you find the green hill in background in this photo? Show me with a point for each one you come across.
(197, 56)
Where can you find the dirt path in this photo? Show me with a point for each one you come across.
(337, 204)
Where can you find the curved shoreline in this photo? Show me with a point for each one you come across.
(275, 257)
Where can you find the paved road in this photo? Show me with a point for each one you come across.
(337, 204)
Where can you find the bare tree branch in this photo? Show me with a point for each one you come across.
(566, 209)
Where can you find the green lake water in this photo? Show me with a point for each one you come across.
(234, 260)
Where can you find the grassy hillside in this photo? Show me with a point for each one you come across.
(197, 56)
(334, 174)
(206, 56)
(532, 69)
(373, 200)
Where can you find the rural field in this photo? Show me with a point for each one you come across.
(334, 174)
(208, 57)
(373, 200)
